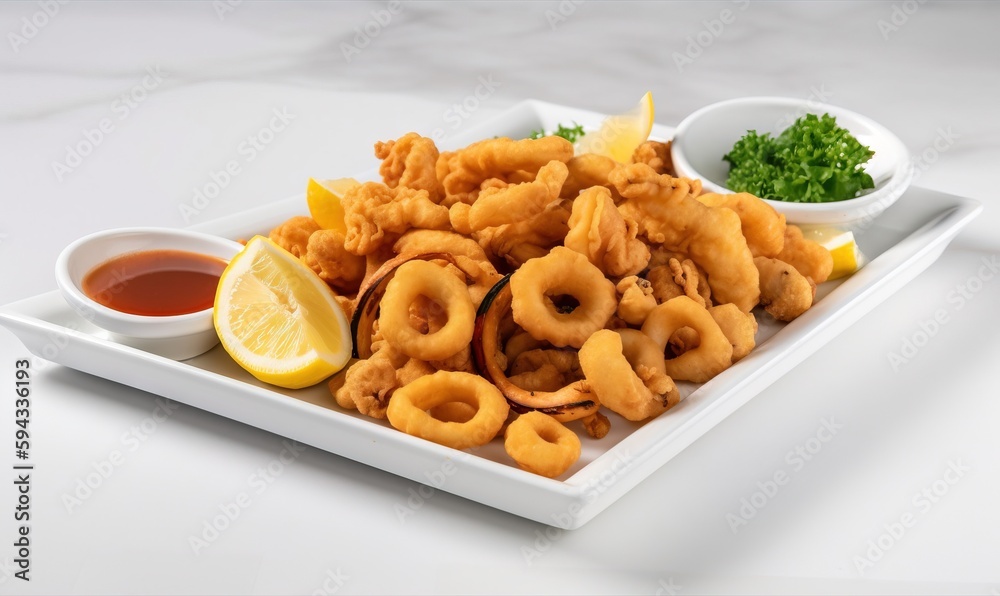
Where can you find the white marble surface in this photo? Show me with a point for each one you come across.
(932, 78)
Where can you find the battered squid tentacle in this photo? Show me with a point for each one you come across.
(293, 234)
(327, 256)
(763, 227)
(410, 161)
(462, 172)
(587, 170)
(679, 278)
(668, 213)
(518, 202)
(376, 215)
(637, 299)
(608, 239)
(655, 155)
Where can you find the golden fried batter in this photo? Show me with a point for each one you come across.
(461, 172)
(762, 226)
(809, 258)
(376, 214)
(655, 155)
(418, 242)
(636, 299)
(367, 385)
(293, 235)
(668, 213)
(518, 242)
(739, 327)
(410, 161)
(679, 278)
(512, 203)
(596, 425)
(784, 292)
(589, 169)
(608, 240)
(325, 254)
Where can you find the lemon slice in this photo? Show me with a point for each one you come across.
(323, 197)
(619, 135)
(278, 319)
(847, 257)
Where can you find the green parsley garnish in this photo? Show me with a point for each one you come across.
(812, 161)
(570, 133)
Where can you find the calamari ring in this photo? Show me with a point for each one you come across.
(408, 409)
(562, 272)
(713, 354)
(421, 278)
(541, 445)
(625, 368)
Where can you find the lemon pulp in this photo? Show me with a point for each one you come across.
(619, 135)
(278, 319)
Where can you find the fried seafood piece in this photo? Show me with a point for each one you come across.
(458, 216)
(376, 214)
(410, 161)
(563, 272)
(368, 384)
(810, 258)
(598, 231)
(471, 263)
(668, 213)
(461, 172)
(712, 355)
(415, 279)
(762, 226)
(409, 409)
(512, 203)
(516, 243)
(417, 242)
(625, 368)
(460, 361)
(326, 255)
(596, 425)
(679, 278)
(636, 300)
(293, 235)
(655, 155)
(346, 303)
(521, 342)
(784, 292)
(589, 169)
(564, 362)
(739, 327)
(546, 378)
(540, 444)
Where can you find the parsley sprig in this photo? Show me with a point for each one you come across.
(812, 161)
(570, 133)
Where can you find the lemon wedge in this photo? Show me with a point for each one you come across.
(278, 319)
(847, 257)
(619, 135)
(324, 196)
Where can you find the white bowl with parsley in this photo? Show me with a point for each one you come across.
(813, 162)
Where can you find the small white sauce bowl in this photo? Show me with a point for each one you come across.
(705, 136)
(178, 337)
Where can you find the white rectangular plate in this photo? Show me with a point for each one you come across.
(902, 242)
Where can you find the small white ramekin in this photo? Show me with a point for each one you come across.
(705, 136)
(178, 337)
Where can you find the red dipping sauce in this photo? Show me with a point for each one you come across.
(156, 282)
